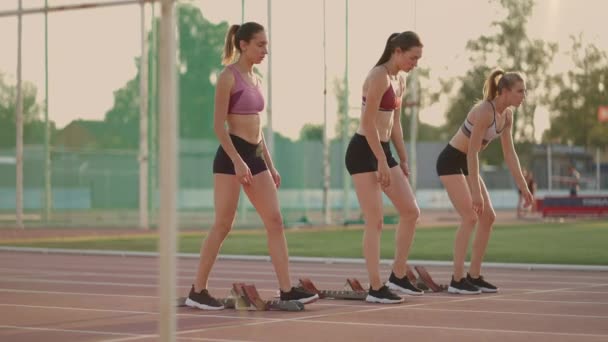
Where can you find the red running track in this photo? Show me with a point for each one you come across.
(54, 297)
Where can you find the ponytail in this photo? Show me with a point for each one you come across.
(404, 41)
(499, 80)
(235, 34)
(229, 46)
(490, 87)
(388, 50)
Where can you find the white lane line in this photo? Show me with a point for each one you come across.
(548, 301)
(181, 338)
(202, 314)
(76, 331)
(514, 313)
(439, 327)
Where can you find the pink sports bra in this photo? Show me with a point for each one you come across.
(244, 98)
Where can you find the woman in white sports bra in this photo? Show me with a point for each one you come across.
(458, 169)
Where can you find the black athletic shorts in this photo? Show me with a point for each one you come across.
(452, 161)
(252, 155)
(360, 158)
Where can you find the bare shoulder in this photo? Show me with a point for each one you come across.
(225, 74)
(378, 77)
(482, 111)
(377, 73)
(376, 80)
(225, 78)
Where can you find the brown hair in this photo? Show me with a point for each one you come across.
(404, 40)
(235, 34)
(499, 80)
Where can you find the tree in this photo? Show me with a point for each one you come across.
(124, 115)
(511, 49)
(199, 59)
(200, 47)
(312, 132)
(343, 111)
(33, 128)
(426, 132)
(577, 96)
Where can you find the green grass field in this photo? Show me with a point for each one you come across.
(556, 243)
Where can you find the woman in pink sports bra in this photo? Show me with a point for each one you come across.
(458, 169)
(242, 160)
(374, 169)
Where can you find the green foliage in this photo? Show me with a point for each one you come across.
(312, 132)
(200, 48)
(33, 127)
(577, 96)
(511, 49)
(341, 97)
(426, 132)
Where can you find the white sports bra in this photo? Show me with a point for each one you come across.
(491, 133)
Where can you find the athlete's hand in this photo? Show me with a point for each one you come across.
(276, 177)
(477, 203)
(243, 173)
(405, 168)
(528, 197)
(384, 174)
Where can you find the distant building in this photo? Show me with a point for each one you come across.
(87, 134)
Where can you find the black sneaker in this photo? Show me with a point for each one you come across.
(403, 285)
(481, 284)
(203, 300)
(383, 295)
(462, 287)
(299, 294)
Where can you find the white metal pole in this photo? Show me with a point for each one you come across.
(413, 157)
(346, 124)
(86, 5)
(19, 123)
(143, 125)
(242, 11)
(48, 199)
(326, 174)
(414, 132)
(597, 169)
(168, 171)
(270, 133)
(549, 169)
(153, 129)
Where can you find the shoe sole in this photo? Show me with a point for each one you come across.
(396, 287)
(454, 290)
(193, 304)
(372, 299)
(487, 290)
(308, 300)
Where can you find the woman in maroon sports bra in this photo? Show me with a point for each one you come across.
(374, 170)
(242, 160)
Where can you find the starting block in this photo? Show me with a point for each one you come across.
(246, 297)
(425, 281)
(354, 290)
(411, 276)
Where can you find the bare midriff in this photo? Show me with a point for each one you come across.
(245, 126)
(384, 125)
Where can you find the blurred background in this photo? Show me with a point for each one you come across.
(91, 120)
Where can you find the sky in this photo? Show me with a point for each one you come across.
(92, 52)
